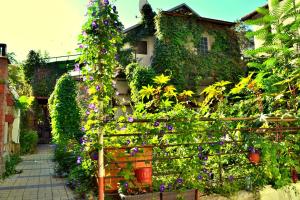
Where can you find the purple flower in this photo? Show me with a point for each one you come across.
(91, 78)
(221, 142)
(78, 160)
(77, 68)
(162, 188)
(205, 158)
(82, 129)
(95, 155)
(117, 57)
(170, 127)
(114, 8)
(156, 124)
(126, 185)
(94, 24)
(97, 87)
(84, 33)
(130, 119)
(252, 149)
(231, 178)
(200, 177)
(105, 22)
(144, 143)
(204, 170)
(210, 174)
(200, 148)
(128, 142)
(87, 113)
(106, 2)
(200, 155)
(81, 46)
(116, 23)
(135, 149)
(92, 106)
(179, 180)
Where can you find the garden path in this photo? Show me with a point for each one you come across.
(37, 180)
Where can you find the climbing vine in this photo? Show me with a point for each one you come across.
(176, 51)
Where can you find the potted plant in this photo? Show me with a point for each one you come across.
(128, 163)
(254, 155)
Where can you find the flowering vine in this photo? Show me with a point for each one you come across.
(99, 44)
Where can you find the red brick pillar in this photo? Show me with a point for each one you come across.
(3, 92)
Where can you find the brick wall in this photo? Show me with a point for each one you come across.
(3, 93)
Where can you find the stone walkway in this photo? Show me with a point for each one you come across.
(37, 180)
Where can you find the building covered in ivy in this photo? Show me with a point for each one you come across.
(194, 50)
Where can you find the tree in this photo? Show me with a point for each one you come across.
(34, 60)
(276, 63)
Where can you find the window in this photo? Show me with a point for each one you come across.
(203, 45)
(141, 47)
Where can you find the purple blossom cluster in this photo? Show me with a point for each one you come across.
(77, 67)
(156, 123)
(162, 188)
(130, 119)
(201, 154)
(79, 160)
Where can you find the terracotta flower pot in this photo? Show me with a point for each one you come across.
(254, 157)
(121, 158)
(144, 175)
(294, 175)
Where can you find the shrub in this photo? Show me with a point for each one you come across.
(28, 141)
(64, 111)
(10, 165)
(138, 76)
(65, 159)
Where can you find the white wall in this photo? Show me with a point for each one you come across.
(147, 59)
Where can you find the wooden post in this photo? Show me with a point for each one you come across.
(101, 171)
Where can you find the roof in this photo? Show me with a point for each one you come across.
(185, 6)
(252, 14)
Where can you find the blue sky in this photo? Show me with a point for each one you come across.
(53, 25)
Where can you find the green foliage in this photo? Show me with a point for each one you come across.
(176, 52)
(11, 162)
(276, 62)
(35, 59)
(64, 111)
(28, 141)
(137, 77)
(65, 158)
(146, 26)
(24, 102)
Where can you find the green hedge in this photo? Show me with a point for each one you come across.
(64, 111)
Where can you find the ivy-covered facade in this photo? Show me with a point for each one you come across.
(196, 51)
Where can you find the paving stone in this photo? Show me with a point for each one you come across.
(36, 180)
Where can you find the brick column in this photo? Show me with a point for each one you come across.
(3, 91)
